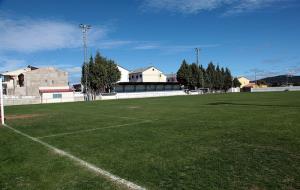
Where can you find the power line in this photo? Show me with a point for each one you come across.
(84, 29)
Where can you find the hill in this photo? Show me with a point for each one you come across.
(282, 80)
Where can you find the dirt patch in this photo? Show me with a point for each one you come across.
(23, 116)
(134, 107)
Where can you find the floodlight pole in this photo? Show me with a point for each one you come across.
(84, 29)
(1, 102)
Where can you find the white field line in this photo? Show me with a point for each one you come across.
(92, 129)
(89, 166)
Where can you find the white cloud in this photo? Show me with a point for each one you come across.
(172, 48)
(109, 44)
(146, 45)
(196, 6)
(251, 5)
(29, 35)
(183, 6)
(73, 70)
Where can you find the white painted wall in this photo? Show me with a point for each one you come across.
(153, 75)
(66, 97)
(150, 75)
(124, 74)
(142, 95)
(276, 89)
(237, 89)
(47, 97)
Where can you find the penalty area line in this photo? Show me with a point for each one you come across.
(89, 166)
(92, 129)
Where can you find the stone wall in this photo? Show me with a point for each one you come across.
(43, 77)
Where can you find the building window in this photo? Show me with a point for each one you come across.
(6, 78)
(46, 81)
(136, 76)
(57, 96)
(140, 75)
(131, 76)
(152, 69)
(21, 80)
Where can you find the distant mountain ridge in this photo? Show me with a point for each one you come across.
(281, 80)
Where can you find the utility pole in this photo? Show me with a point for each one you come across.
(1, 102)
(197, 50)
(84, 29)
(255, 75)
(232, 84)
(289, 75)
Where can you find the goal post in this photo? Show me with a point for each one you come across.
(1, 102)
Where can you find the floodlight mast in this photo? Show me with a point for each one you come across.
(84, 29)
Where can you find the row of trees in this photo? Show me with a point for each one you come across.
(213, 77)
(99, 75)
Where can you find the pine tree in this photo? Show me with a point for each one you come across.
(222, 78)
(227, 79)
(236, 83)
(202, 75)
(113, 74)
(211, 76)
(102, 75)
(183, 74)
(195, 76)
(218, 76)
(86, 70)
(99, 74)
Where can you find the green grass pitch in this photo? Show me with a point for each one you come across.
(221, 141)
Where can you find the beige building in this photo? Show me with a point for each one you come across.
(149, 74)
(244, 81)
(26, 82)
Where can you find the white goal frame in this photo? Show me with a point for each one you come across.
(1, 102)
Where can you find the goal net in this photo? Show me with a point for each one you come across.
(1, 102)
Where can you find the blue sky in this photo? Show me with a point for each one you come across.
(244, 35)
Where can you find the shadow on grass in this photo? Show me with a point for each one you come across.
(246, 104)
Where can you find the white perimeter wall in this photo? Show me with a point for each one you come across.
(276, 89)
(21, 100)
(142, 95)
(74, 97)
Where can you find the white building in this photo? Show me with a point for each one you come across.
(149, 74)
(124, 74)
(56, 94)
